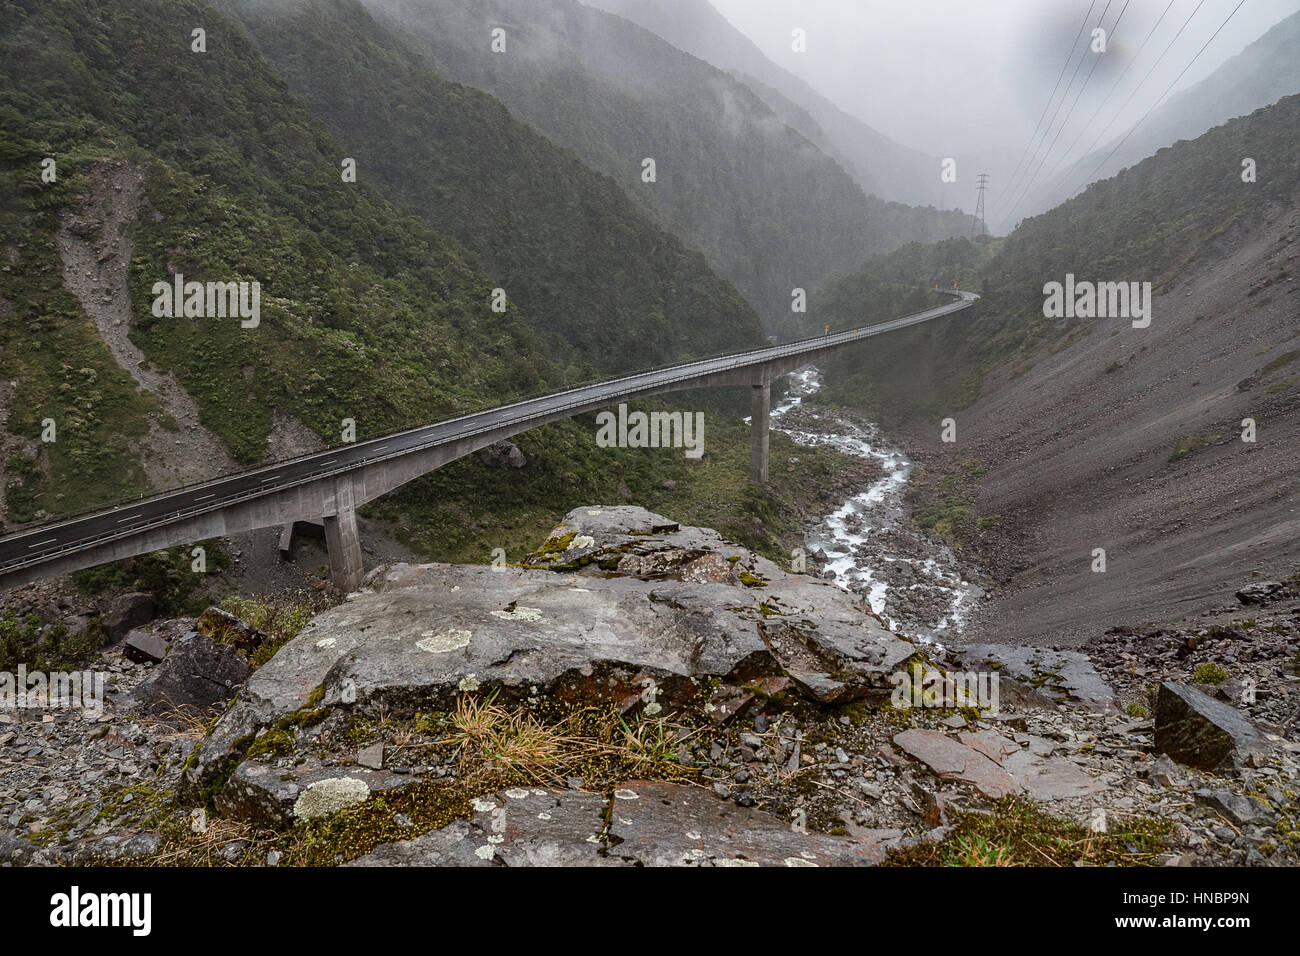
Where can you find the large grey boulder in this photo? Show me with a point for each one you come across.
(1199, 731)
(126, 611)
(504, 454)
(1260, 592)
(425, 634)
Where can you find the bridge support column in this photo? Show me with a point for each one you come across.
(759, 425)
(343, 540)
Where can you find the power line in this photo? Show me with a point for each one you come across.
(1169, 46)
(1050, 123)
(1070, 56)
(1096, 61)
(1114, 86)
(1134, 127)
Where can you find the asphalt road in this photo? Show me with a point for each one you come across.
(34, 545)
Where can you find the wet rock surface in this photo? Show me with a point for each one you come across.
(642, 823)
(786, 740)
(424, 634)
(1056, 674)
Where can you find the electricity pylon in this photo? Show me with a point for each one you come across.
(982, 227)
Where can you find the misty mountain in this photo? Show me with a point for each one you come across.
(1263, 73)
(1078, 434)
(880, 165)
(171, 161)
(567, 245)
(1158, 221)
(761, 200)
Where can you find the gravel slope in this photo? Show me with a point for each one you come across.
(1078, 454)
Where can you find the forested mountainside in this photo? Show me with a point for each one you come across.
(566, 243)
(1149, 223)
(1260, 75)
(770, 209)
(171, 161)
(880, 165)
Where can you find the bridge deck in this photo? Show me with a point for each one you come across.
(45, 543)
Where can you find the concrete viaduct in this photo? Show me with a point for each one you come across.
(331, 485)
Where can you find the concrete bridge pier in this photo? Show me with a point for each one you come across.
(759, 430)
(343, 540)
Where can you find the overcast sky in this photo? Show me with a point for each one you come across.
(978, 73)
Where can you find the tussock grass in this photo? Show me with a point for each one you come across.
(597, 744)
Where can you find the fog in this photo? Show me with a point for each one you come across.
(960, 77)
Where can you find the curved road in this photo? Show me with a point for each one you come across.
(44, 542)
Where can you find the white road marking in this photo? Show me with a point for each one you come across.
(39, 543)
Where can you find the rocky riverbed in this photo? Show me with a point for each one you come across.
(640, 692)
(869, 544)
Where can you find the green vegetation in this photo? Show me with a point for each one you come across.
(1208, 672)
(1018, 833)
(25, 641)
(732, 178)
(462, 512)
(944, 506)
(1282, 361)
(240, 183)
(588, 270)
(168, 575)
(280, 621)
(1191, 445)
(48, 347)
(369, 310)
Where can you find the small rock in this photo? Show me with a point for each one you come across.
(1260, 592)
(141, 647)
(1240, 810)
(372, 757)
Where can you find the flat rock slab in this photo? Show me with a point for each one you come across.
(1065, 676)
(955, 761)
(998, 766)
(653, 823)
(518, 827)
(650, 823)
(142, 647)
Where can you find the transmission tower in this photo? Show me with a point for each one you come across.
(982, 227)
